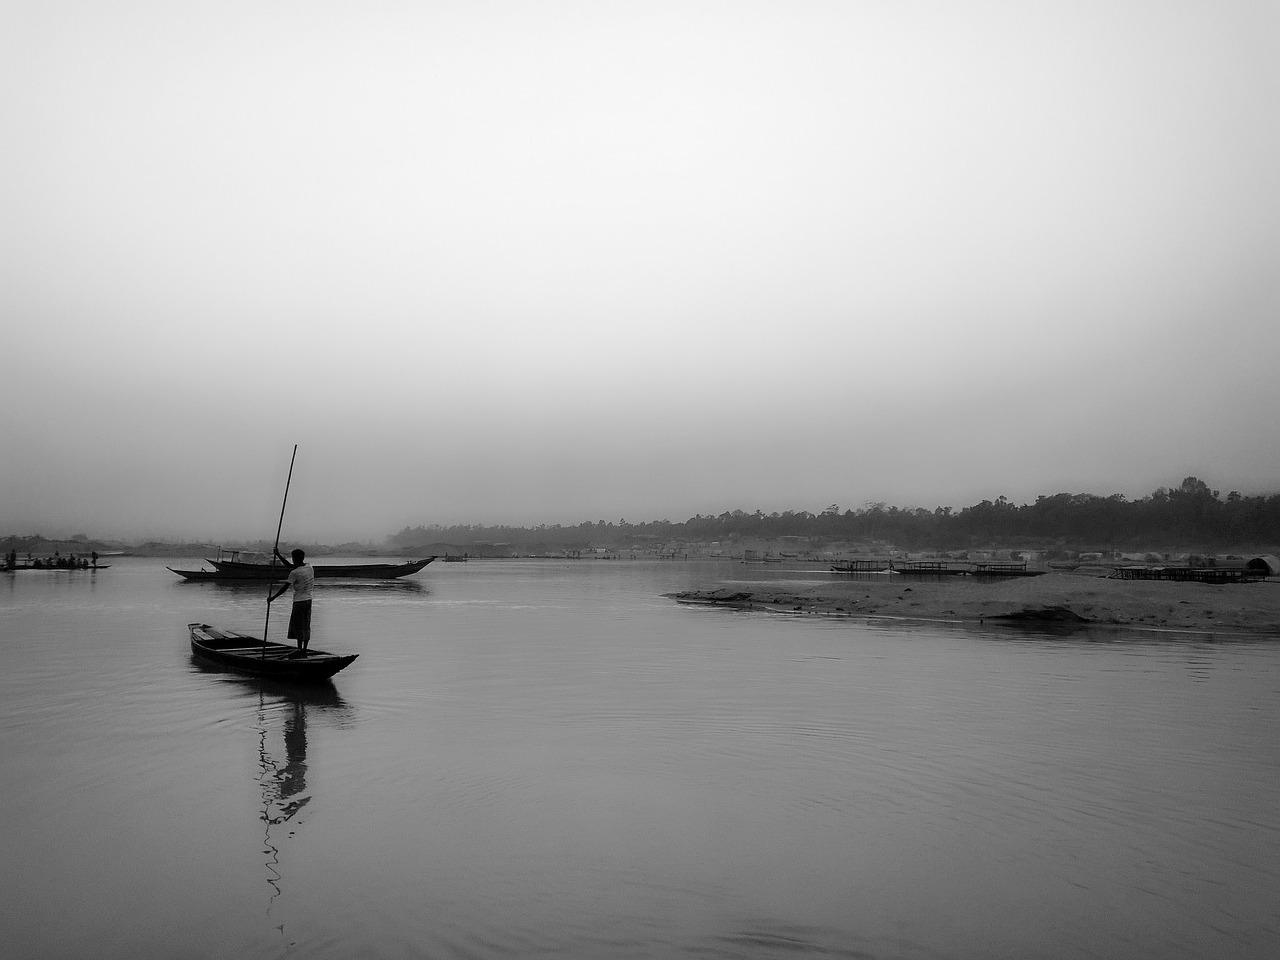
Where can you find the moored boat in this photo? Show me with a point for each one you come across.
(861, 565)
(240, 571)
(246, 654)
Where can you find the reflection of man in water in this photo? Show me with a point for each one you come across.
(293, 776)
(284, 787)
(302, 577)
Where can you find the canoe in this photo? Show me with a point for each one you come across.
(239, 571)
(245, 654)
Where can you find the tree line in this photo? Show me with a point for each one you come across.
(1190, 516)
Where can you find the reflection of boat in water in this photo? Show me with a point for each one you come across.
(240, 571)
(245, 654)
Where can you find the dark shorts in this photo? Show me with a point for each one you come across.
(300, 621)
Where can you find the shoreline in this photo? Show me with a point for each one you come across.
(1056, 600)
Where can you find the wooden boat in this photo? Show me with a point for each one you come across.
(48, 568)
(355, 571)
(238, 571)
(245, 654)
(713, 598)
(861, 566)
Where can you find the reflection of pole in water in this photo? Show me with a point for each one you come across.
(283, 784)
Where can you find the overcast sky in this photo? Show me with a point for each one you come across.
(532, 262)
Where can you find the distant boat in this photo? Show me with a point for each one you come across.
(245, 654)
(52, 567)
(226, 571)
(861, 566)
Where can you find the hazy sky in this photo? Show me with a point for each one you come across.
(550, 261)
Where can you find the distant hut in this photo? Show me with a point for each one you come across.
(1267, 566)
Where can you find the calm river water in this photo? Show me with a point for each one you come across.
(549, 759)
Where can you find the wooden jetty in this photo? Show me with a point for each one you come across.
(1188, 574)
(937, 568)
(932, 568)
(1004, 568)
(977, 568)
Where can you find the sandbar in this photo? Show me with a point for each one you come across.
(1062, 599)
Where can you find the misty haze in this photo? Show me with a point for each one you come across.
(770, 478)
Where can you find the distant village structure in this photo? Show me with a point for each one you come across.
(1188, 527)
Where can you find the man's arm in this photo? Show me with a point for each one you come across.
(279, 593)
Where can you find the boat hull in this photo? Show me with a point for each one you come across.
(234, 571)
(242, 653)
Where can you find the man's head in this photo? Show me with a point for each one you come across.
(298, 556)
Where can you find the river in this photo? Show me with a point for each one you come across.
(551, 759)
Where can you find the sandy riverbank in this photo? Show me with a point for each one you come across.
(1252, 608)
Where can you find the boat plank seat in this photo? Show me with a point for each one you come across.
(279, 653)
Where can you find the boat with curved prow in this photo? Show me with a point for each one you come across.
(246, 654)
(238, 571)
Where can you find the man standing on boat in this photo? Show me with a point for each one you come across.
(302, 577)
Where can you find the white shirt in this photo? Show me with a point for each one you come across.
(301, 579)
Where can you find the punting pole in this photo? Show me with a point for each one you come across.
(275, 549)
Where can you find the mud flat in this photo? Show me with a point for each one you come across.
(1057, 598)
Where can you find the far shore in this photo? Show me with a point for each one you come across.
(1058, 599)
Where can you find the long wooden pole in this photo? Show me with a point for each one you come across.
(276, 547)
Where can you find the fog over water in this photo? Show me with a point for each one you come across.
(524, 263)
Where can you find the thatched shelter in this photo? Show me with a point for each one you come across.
(1268, 566)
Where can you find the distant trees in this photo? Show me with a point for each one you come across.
(1191, 516)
